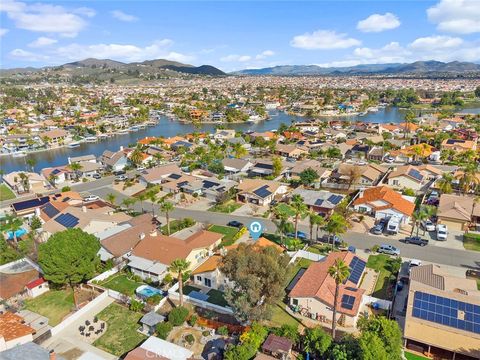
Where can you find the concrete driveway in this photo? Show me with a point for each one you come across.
(454, 239)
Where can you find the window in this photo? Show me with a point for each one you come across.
(395, 182)
(362, 209)
(295, 302)
(199, 278)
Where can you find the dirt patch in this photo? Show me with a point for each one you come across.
(180, 333)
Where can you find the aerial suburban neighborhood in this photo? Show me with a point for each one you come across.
(151, 209)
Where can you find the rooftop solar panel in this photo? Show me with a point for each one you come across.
(357, 266)
(415, 174)
(264, 166)
(50, 210)
(347, 302)
(319, 202)
(263, 191)
(448, 312)
(174, 176)
(28, 204)
(208, 184)
(335, 199)
(67, 220)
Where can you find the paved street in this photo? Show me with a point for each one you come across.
(435, 254)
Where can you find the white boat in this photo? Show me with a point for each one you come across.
(19, 154)
(74, 144)
(90, 139)
(123, 131)
(103, 136)
(134, 128)
(254, 118)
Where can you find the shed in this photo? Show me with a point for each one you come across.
(149, 322)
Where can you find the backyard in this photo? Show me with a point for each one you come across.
(121, 335)
(411, 356)
(471, 241)
(383, 265)
(227, 207)
(214, 296)
(121, 283)
(6, 193)
(54, 304)
(228, 232)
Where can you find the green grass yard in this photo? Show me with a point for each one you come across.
(226, 208)
(411, 356)
(228, 232)
(6, 193)
(280, 316)
(122, 284)
(121, 335)
(381, 263)
(177, 225)
(54, 304)
(471, 241)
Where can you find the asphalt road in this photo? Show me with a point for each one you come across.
(439, 255)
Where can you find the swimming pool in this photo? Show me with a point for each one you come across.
(19, 233)
(147, 291)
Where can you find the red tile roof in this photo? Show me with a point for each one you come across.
(35, 283)
(393, 199)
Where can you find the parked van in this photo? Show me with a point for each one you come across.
(393, 226)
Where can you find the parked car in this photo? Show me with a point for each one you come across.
(235, 223)
(96, 176)
(91, 198)
(389, 159)
(416, 240)
(442, 232)
(119, 172)
(141, 168)
(389, 249)
(428, 225)
(121, 177)
(393, 226)
(328, 239)
(413, 263)
(378, 229)
(300, 234)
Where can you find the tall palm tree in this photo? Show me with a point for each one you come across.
(179, 266)
(445, 183)
(419, 216)
(281, 221)
(299, 208)
(31, 162)
(340, 272)
(75, 167)
(166, 207)
(136, 157)
(142, 197)
(11, 223)
(469, 179)
(25, 181)
(239, 151)
(336, 225)
(111, 198)
(314, 219)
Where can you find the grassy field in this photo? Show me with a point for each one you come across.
(471, 242)
(381, 263)
(54, 304)
(6, 193)
(227, 208)
(228, 232)
(411, 356)
(121, 335)
(122, 284)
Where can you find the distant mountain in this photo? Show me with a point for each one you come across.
(91, 62)
(418, 67)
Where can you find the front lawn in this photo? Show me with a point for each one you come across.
(285, 209)
(411, 356)
(121, 335)
(216, 297)
(228, 232)
(471, 241)
(177, 225)
(6, 193)
(226, 208)
(54, 304)
(290, 243)
(320, 249)
(382, 264)
(122, 284)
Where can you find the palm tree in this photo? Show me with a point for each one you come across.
(136, 157)
(299, 208)
(469, 179)
(25, 181)
(314, 219)
(239, 151)
(75, 167)
(31, 162)
(166, 207)
(281, 221)
(340, 272)
(53, 179)
(445, 183)
(336, 225)
(179, 266)
(111, 198)
(142, 197)
(419, 216)
(11, 223)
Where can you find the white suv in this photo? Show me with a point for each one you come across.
(442, 232)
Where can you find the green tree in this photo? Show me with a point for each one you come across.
(336, 225)
(75, 167)
(372, 347)
(35, 223)
(445, 183)
(277, 166)
(7, 254)
(316, 341)
(69, 257)
(178, 315)
(281, 222)
(288, 331)
(258, 276)
(111, 198)
(387, 331)
(340, 272)
(136, 157)
(308, 177)
(31, 162)
(179, 266)
(163, 329)
(315, 220)
(166, 207)
(299, 208)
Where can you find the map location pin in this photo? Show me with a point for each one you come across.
(255, 229)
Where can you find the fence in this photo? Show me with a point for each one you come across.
(174, 295)
(108, 273)
(382, 304)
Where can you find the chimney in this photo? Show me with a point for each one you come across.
(52, 354)
(84, 208)
(121, 148)
(153, 233)
(142, 236)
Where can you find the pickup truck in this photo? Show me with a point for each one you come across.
(416, 240)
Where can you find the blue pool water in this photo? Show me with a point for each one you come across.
(147, 291)
(19, 233)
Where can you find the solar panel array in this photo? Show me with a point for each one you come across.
(28, 204)
(356, 269)
(448, 312)
(335, 199)
(174, 176)
(50, 210)
(319, 202)
(67, 220)
(415, 174)
(264, 166)
(208, 184)
(263, 191)
(347, 302)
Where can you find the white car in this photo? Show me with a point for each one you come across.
(413, 263)
(428, 225)
(91, 198)
(442, 232)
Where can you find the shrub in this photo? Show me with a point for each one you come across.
(189, 339)
(206, 333)
(163, 329)
(66, 188)
(375, 248)
(408, 192)
(168, 279)
(136, 305)
(178, 316)
(192, 320)
(222, 330)
(154, 299)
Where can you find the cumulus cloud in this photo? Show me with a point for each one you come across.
(379, 23)
(456, 16)
(41, 17)
(236, 58)
(323, 40)
(24, 55)
(42, 41)
(3, 31)
(120, 15)
(439, 42)
(264, 54)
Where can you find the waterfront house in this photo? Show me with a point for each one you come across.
(114, 161)
(56, 137)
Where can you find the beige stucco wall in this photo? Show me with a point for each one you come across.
(404, 182)
(317, 307)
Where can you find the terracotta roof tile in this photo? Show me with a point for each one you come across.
(393, 199)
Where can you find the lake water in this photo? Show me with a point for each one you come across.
(167, 128)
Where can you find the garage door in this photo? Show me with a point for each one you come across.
(452, 225)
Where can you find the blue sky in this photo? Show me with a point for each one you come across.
(237, 34)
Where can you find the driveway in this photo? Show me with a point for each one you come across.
(454, 239)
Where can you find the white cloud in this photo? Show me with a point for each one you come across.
(439, 42)
(378, 23)
(24, 55)
(41, 17)
(456, 16)
(3, 31)
(42, 41)
(264, 54)
(236, 58)
(120, 15)
(324, 40)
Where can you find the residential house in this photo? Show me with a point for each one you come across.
(313, 293)
(209, 275)
(321, 201)
(149, 322)
(31, 351)
(209, 187)
(458, 145)
(56, 137)
(315, 165)
(32, 182)
(114, 161)
(277, 347)
(442, 314)
(358, 151)
(384, 202)
(457, 211)
(357, 176)
(236, 166)
(152, 256)
(376, 153)
(37, 287)
(181, 145)
(57, 175)
(260, 192)
(267, 135)
(224, 134)
(74, 159)
(156, 348)
(290, 151)
(13, 331)
(159, 174)
(412, 177)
